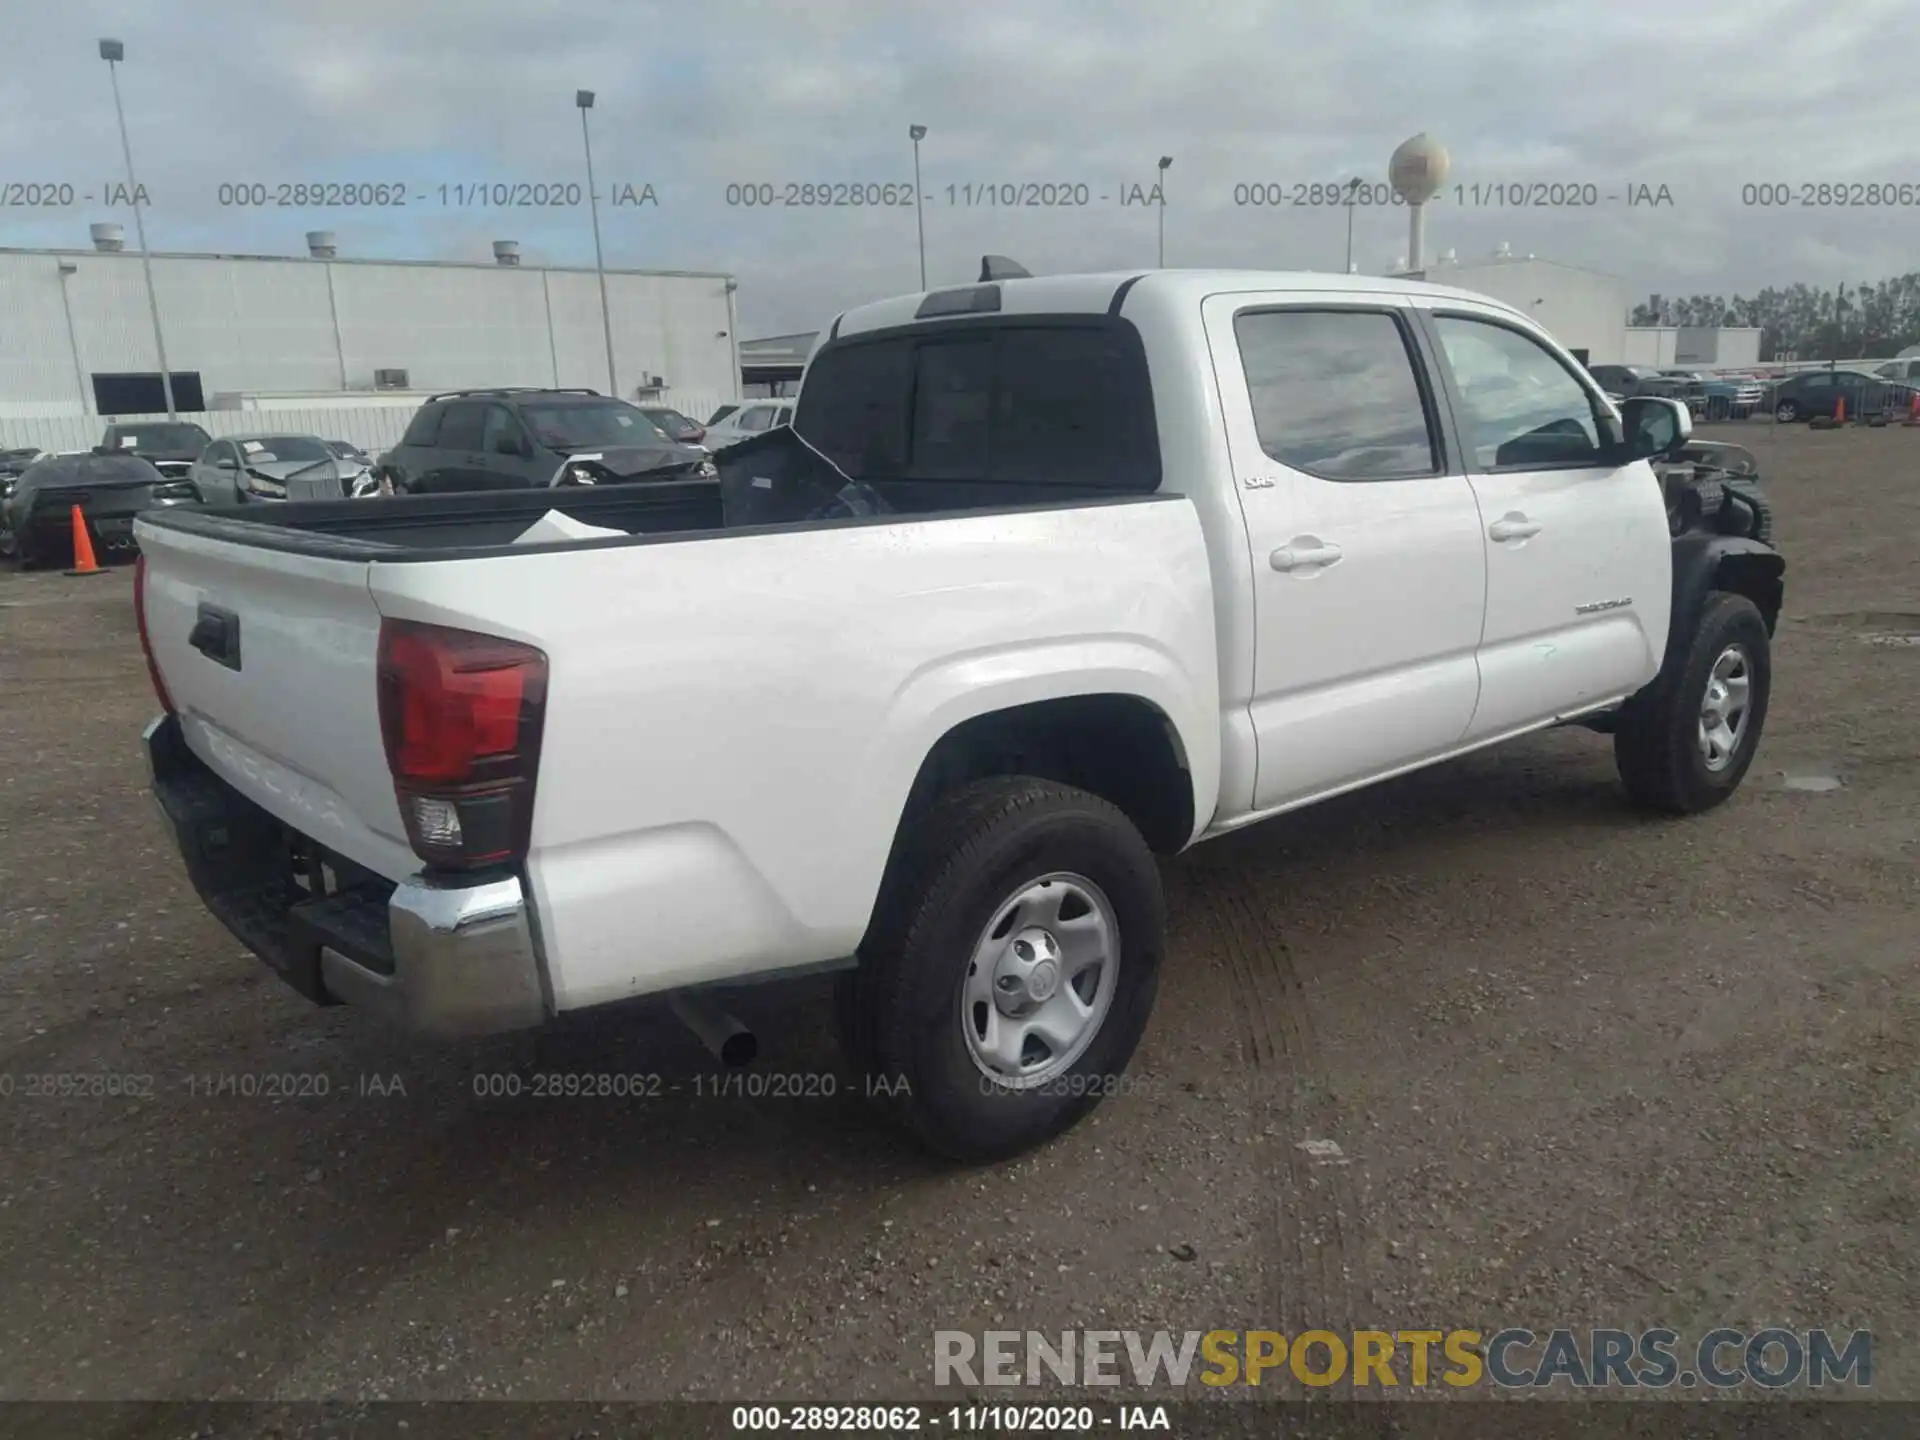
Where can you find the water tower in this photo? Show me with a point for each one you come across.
(1417, 171)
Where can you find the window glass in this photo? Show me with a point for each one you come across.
(852, 406)
(585, 424)
(460, 427)
(1334, 393)
(1060, 404)
(273, 449)
(1072, 407)
(162, 436)
(1523, 407)
(500, 425)
(953, 393)
(425, 428)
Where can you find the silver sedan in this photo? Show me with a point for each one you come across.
(238, 468)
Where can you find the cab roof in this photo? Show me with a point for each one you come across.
(1112, 292)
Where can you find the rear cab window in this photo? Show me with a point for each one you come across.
(1025, 400)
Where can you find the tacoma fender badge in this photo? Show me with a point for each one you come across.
(1593, 607)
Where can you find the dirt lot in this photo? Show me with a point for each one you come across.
(1583, 1068)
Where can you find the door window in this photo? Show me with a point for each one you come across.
(425, 427)
(1335, 393)
(1524, 409)
(500, 425)
(460, 427)
(756, 417)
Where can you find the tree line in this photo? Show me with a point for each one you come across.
(1871, 320)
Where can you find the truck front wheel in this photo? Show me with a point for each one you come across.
(1684, 743)
(1010, 968)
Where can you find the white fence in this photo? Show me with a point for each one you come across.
(372, 427)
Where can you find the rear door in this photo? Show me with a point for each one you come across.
(1578, 555)
(1369, 572)
(409, 462)
(457, 463)
(270, 660)
(217, 474)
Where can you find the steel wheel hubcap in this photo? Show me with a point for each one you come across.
(1040, 980)
(1724, 708)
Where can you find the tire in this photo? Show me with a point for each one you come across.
(998, 851)
(22, 553)
(1786, 412)
(1659, 745)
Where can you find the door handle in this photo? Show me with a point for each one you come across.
(216, 635)
(1305, 553)
(1513, 526)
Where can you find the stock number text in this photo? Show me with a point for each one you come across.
(1852, 195)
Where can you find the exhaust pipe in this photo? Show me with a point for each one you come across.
(727, 1039)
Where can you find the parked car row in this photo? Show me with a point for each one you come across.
(467, 440)
(525, 438)
(110, 488)
(1817, 394)
(1808, 395)
(142, 465)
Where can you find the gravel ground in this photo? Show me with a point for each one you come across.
(1582, 1069)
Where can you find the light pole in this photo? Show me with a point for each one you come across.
(917, 133)
(112, 51)
(733, 335)
(1353, 193)
(1165, 161)
(584, 99)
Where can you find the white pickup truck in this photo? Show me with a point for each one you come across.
(1051, 575)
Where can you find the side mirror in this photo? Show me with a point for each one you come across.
(226, 462)
(1655, 425)
(506, 445)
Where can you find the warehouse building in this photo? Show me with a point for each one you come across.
(1725, 347)
(1585, 310)
(772, 367)
(77, 331)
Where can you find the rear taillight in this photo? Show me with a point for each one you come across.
(146, 642)
(461, 714)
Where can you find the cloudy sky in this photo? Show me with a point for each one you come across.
(1251, 100)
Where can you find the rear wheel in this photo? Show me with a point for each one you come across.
(1683, 745)
(1010, 968)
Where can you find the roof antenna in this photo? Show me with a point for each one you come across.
(999, 267)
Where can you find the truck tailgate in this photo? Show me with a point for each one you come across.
(287, 711)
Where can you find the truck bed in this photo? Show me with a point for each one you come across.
(764, 487)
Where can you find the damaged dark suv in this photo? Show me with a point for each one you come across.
(526, 439)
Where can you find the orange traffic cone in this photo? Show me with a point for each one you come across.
(1840, 411)
(83, 561)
